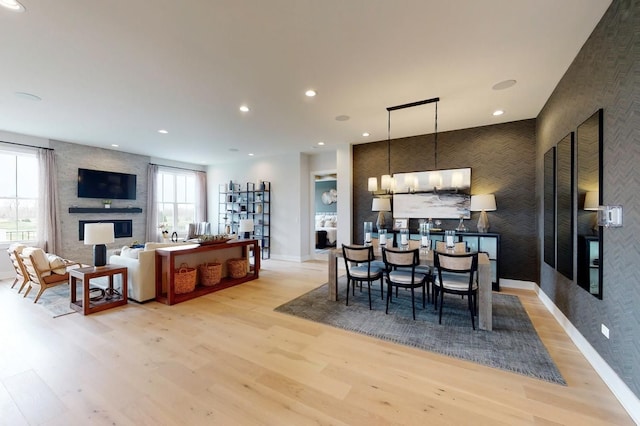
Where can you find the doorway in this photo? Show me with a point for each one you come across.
(325, 213)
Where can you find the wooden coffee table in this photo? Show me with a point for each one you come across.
(110, 300)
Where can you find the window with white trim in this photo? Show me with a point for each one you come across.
(18, 196)
(176, 198)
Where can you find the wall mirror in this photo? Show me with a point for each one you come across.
(564, 206)
(550, 207)
(589, 187)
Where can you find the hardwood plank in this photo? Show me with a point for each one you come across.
(228, 358)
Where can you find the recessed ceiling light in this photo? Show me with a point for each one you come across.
(366, 134)
(244, 108)
(310, 93)
(115, 145)
(342, 118)
(251, 154)
(321, 143)
(504, 84)
(13, 5)
(27, 96)
(163, 131)
(498, 112)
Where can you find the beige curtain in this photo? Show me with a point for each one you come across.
(48, 236)
(201, 196)
(152, 207)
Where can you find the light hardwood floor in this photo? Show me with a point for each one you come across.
(227, 358)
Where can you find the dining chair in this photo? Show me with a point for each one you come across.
(460, 247)
(457, 274)
(359, 264)
(401, 272)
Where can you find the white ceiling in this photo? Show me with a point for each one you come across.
(114, 72)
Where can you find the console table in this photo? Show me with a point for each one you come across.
(169, 259)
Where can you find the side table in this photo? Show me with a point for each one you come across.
(87, 306)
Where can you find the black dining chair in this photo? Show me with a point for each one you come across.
(401, 272)
(358, 261)
(457, 273)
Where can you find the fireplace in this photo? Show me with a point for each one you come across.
(121, 228)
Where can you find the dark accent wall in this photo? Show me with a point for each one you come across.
(502, 161)
(605, 74)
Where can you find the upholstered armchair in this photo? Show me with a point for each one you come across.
(45, 270)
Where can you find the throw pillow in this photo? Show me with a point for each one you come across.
(57, 264)
(130, 252)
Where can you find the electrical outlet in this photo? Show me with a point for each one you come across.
(605, 330)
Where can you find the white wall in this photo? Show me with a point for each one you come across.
(344, 162)
(288, 174)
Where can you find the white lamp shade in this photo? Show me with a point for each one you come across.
(385, 182)
(98, 233)
(372, 184)
(591, 200)
(246, 225)
(486, 202)
(381, 205)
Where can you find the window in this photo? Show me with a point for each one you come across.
(176, 199)
(18, 196)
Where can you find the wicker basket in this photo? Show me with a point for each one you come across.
(237, 268)
(184, 280)
(210, 273)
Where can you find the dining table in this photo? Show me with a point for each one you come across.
(485, 291)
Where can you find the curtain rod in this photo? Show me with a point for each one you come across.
(174, 167)
(412, 104)
(28, 146)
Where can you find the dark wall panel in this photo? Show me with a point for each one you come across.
(605, 74)
(502, 161)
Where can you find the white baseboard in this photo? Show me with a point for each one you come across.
(517, 284)
(627, 398)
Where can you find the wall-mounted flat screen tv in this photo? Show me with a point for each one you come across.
(106, 185)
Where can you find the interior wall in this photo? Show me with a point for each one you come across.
(605, 74)
(288, 174)
(502, 161)
(69, 157)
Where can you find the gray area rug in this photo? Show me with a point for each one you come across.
(55, 300)
(513, 345)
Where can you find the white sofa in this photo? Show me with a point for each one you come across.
(141, 265)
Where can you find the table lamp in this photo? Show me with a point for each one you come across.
(245, 228)
(99, 234)
(483, 203)
(381, 205)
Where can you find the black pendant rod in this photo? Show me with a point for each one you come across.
(435, 145)
(412, 104)
(388, 141)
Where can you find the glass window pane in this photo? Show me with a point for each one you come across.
(27, 171)
(168, 191)
(8, 173)
(8, 220)
(186, 215)
(180, 189)
(27, 219)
